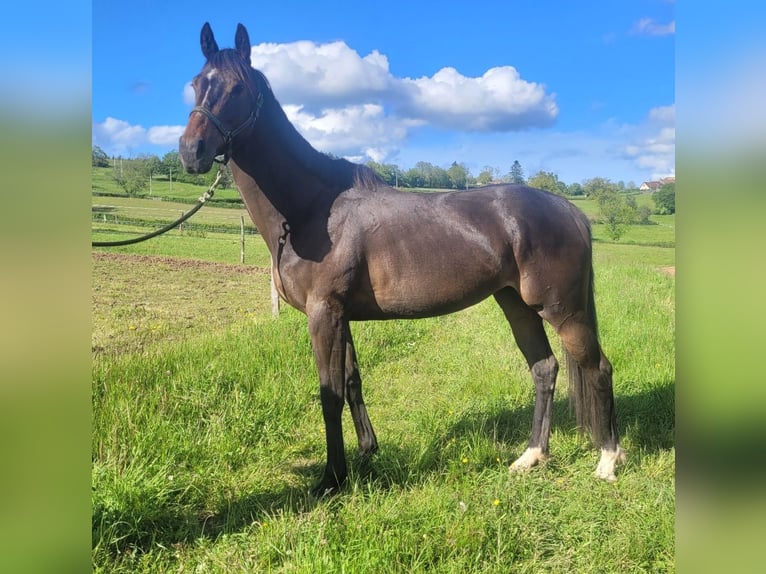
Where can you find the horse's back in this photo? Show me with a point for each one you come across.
(492, 218)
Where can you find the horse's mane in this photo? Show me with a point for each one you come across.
(336, 173)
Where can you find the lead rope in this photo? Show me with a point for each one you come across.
(200, 202)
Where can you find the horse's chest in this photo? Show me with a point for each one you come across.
(286, 281)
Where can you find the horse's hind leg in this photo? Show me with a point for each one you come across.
(368, 443)
(590, 390)
(528, 330)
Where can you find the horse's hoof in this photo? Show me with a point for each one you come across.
(367, 452)
(608, 462)
(320, 492)
(327, 488)
(531, 457)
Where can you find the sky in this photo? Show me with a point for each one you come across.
(582, 89)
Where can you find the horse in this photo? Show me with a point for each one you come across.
(346, 247)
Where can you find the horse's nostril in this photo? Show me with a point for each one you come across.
(200, 147)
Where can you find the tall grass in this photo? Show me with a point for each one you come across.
(207, 439)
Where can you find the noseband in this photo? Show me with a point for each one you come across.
(229, 135)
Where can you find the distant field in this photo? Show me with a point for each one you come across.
(208, 246)
(207, 430)
(152, 211)
(164, 211)
(103, 182)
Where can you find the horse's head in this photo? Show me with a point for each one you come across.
(226, 102)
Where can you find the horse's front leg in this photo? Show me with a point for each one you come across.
(328, 339)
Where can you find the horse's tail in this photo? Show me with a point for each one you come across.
(583, 382)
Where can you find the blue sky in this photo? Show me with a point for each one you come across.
(583, 89)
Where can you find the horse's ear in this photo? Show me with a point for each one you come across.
(207, 41)
(242, 43)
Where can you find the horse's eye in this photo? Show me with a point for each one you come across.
(237, 89)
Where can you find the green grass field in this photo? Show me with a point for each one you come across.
(207, 428)
(162, 187)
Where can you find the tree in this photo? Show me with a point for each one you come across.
(441, 178)
(546, 180)
(207, 178)
(153, 164)
(458, 175)
(643, 214)
(388, 172)
(171, 167)
(665, 199)
(517, 173)
(598, 186)
(413, 178)
(99, 157)
(227, 178)
(171, 163)
(575, 189)
(378, 169)
(133, 175)
(616, 211)
(426, 171)
(486, 175)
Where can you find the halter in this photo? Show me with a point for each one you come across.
(229, 135)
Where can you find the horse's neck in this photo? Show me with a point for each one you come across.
(267, 218)
(282, 179)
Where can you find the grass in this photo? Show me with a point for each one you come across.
(156, 210)
(189, 244)
(102, 182)
(207, 431)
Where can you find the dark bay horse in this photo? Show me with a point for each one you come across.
(346, 247)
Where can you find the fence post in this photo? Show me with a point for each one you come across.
(242, 239)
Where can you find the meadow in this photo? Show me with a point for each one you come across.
(207, 428)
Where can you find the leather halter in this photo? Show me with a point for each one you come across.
(229, 135)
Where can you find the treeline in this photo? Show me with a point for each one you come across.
(617, 204)
(425, 175)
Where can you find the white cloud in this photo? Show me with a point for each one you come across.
(499, 100)
(356, 131)
(648, 27)
(188, 94)
(316, 75)
(654, 144)
(119, 136)
(352, 105)
(663, 114)
(165, 135)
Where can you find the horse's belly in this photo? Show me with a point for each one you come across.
(412, 291)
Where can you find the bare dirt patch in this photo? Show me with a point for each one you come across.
(670, 270)
(144, 300)
(177, 262)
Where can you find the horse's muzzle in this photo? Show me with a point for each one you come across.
(196, 157)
